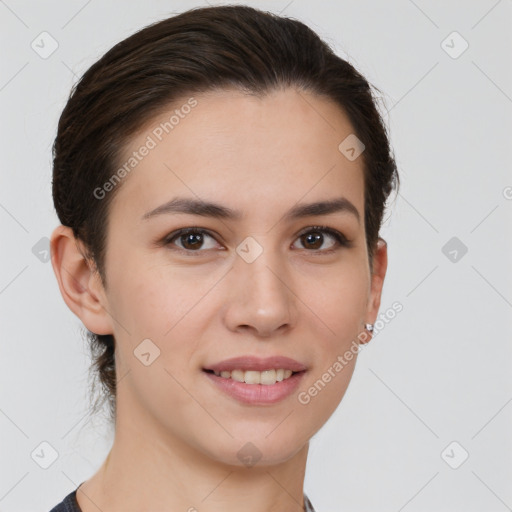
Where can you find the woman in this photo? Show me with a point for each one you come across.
(221, 178)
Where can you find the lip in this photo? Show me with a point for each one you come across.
(258, 364)
(257, 394)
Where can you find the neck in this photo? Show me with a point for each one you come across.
(157, 471)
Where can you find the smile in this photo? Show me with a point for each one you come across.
(262, 388)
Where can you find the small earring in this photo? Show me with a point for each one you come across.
(369, 327)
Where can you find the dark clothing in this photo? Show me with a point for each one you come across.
(69, 504)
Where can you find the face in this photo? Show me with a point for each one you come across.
(255, 279)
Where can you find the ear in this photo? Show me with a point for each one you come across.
(380, 265)
(79, 282)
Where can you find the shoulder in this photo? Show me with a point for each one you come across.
(68, 504)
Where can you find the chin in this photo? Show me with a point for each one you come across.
(256, 450)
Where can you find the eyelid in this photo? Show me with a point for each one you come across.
(342, 240)
(167, 240)
(330, 231)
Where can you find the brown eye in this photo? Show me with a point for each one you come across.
(314, 238)
(195, 240)
(191, 239)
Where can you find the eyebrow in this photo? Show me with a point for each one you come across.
(215, 210)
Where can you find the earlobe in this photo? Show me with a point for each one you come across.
(78, 281)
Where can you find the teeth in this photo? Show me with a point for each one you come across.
(267, 377)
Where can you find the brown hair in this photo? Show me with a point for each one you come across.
(198, 50)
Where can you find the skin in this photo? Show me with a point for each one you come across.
(177, 436)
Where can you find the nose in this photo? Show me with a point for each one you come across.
(261, 300)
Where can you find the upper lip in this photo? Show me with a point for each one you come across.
(257, 363)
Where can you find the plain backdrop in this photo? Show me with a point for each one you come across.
(426, 422)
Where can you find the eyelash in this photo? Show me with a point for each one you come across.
(339, 237)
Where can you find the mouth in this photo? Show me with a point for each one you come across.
(256, 388)
(255, 380)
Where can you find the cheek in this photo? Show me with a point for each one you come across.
(160, 342)
(165, 306)
(335, 300)
(151, 302)
(322, 393)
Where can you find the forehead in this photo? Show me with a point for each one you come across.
(255, 154)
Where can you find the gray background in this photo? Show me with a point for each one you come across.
(439, 372)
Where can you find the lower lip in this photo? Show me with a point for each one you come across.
(257, 394)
